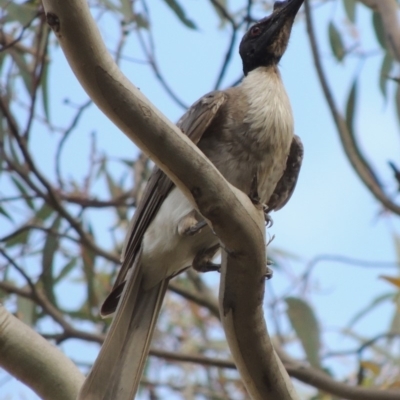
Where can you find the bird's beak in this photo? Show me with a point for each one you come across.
(283, 14)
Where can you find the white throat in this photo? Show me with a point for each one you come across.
(269, 106)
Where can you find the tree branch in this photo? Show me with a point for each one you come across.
(37, 363)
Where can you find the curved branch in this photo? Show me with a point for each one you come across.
(350, 146)
(34, 361)
(235, 220)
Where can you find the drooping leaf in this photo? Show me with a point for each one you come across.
(26, 310)
(379, 29)
(395, 323)
(127, 10)
(385, 70)
(44, 212)
(370, 306)
(180, 13)
(19, 238)
(396, 240)
(397, 99)
(219, 12)
(350, 106)
(141, 21)
(26, 196)
(6, 214)
(23, 69)
(45, 90)
(49, 250)
(113, 188)
(394, 280)
(65, 270)
(305, 324)
(371, 366)
(335, 39)
(23, 13)
(350, 8)
(89, 260)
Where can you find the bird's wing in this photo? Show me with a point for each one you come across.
(193, 123)
(286, 185)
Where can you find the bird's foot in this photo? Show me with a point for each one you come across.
(268, 220)
(191, 224)
(268, 271)
(203, 260)
(192, 230)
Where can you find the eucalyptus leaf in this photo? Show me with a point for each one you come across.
(386, 67)
(26, 310)
(336, 42)
(180, 13)
(49, 251)
(305, 324)
(350, 8)
(379, 29)
(350, 106)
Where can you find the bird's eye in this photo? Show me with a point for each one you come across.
(255, 31)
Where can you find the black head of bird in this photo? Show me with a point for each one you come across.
(266, 41)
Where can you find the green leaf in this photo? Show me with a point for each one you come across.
(379, 29)
(126, 10)
(385, 71)
(396, 240)
(26, 310)
(350, 106)
(89, 261)
(180, 13)
(350, 8)
(65, 270)
(24, 193)
(23, 13)
(397, 99)
(113, 188)
(6, 214)
(335, 39)
(49, 250)
(44, 212)
(221, 15)
(305, 324)
(141, 21)
(19, 238)
(395, 324)
(45, 89)
(373, 304)
(24, 70)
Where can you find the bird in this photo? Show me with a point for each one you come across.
(247, 132)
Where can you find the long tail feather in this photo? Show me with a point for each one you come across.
(118, 369)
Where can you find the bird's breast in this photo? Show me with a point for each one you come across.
(257, 134)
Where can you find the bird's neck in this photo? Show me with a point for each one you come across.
(269, 111)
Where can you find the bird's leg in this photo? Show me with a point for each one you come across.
(191, 224)
(203, 260)
(254, 197)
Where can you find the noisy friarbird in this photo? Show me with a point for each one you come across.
(247, 133)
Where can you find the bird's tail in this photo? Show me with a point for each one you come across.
(117, 371)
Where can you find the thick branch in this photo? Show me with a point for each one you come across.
(37, 363)
(239, 226)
